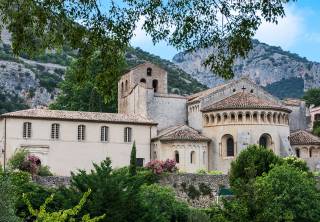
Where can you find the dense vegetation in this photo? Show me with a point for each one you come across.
(265, 188)
(287, 88)
(10, 103)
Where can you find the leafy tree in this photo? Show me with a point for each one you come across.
(133, 161)
(286, 194)
(164, 208)
(42, 215)
(250, 163)
(80, 95)
(312, 97)
(7, 200)
(225, 25)
(16, 161)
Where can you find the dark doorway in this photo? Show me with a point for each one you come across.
(155, 85)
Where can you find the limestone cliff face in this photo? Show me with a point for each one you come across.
(264, 64)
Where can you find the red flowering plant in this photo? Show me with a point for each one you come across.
(159, 166)
(31, 164)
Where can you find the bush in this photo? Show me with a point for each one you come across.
(44, 171)
(16, 161)
(286, 194)
(159, 204)
(61, 215)
(159, 166)
(7, 200)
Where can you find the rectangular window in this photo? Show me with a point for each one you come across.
(139, 162)
(127, 134)
(26, 130)
(81, 132)
(104, 133)
(55, 131)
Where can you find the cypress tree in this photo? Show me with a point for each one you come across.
(133, 161)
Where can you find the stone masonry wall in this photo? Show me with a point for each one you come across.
(197, 190)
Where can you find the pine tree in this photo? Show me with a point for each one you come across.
(133, 161)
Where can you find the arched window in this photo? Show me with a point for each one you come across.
(212, 118)
(233, 117)
(240, 117)
(193, 157)
(230, 147)
(127, 134)
(176, 156)
(55, 131)
(126, 85)
(218, 118)
(248, 117)
(204, 157)
(279, 118)
(155, 85)
(265, 140)
(104, 131)
(310, 152)
(269, 118)
(26, 130)
(143, 80)
(262, 117)
(275, 118)
(122, 88)
(225, 117)
(255, 117)
(149, 71)
(206, 119)
(81, 132)
(298, 152)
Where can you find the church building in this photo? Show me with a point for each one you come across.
(206, 130)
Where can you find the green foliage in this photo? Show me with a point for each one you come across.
(286, 194)
(316, 128)
(87, 88)
(44, 171)
(42, 215)
(205, 189)
(287, 88)
(7, 200)
(16, 161)
(193, 192)
(295, 162)
(10, 102)
(159, 204)
(250, 163)
(198, 215)
(41, 25)
(133, 161)
(312, 97)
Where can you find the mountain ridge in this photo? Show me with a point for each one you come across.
(266, 65)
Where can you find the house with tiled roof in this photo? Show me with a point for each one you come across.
(206, 130)
(307, 147)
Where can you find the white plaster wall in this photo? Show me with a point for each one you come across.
(68, 154)
(217, 161)
(167, 151)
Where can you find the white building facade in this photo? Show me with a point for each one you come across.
(206, 130)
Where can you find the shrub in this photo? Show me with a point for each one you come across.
(7, 200)
(201, 171)
(44, 171)
(16, 161)
(159, 166)
(61, 215)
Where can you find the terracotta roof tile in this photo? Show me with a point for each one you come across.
(302, 137)
(79, 116)
(244, 100)
(181, 132)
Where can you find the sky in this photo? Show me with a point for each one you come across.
(298, 32)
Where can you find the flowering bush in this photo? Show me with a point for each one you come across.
(159, 166)
(31, 164)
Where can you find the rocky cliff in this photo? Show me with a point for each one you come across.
(266, 65)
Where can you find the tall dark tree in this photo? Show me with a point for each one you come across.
(133, 160)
